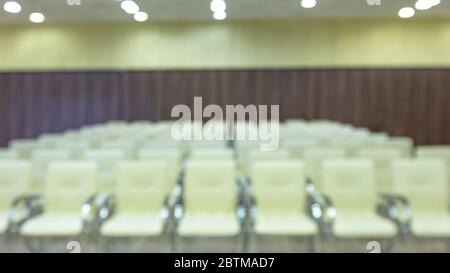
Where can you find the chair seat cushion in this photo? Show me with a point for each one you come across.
(431, 225)
(209, 225)
(53, 225)
(133, 225)
(285, 225)
(363, 226)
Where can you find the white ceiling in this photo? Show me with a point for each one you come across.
(198, 10)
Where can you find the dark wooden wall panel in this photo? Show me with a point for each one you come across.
(411, 102)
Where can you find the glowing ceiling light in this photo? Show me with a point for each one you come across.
(307, 4)
(221, 15)
(37, 17)
(141, 16)
(129, 6)
(426, 4)
(12, 7)
(406, 12)
(218, 6)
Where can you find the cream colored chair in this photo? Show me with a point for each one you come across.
(41, 159)
(142, 206)
(107, 161)
(314, 158)
(210, 201)
(23, 147)
(382, 158)
(7, 154)
(351, 186)
(76, 147)
(68, 197)
(256, 155)
(423, 182)
(127, 146)
(436, 152)
(47, 141)
(404, 143)
(172, 156)
(15, 178)
(213, 154)
(349, 143)
(298, 146)
(279, 190)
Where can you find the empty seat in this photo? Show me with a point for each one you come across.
(172, 156)
(7, 154)
(15, 178)
(258, 155)
(41, 159)
(23, 147)
(424, 183)
(210, 199)
(297, 146)
(279, 190)
(351, 186)
(382, 158)
(404, 143)
(142, 188)
(49, 141)
(127, 146)
(314, 158)
(69, 184)
(212, 154)
(107, 161)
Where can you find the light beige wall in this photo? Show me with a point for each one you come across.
(212, 45)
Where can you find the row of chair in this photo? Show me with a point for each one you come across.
(274, 200)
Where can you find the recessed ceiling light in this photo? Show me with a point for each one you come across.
(220, 15)
(307, 4)
(129, 6)
(218, 6)
(406, 12)
(141, 16)
(37, 17)
(12, 7)
(423, 4)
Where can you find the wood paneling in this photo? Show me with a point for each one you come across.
(411, 102)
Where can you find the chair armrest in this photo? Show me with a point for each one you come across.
(246, 205)
(397, 209)
(320, 208)
(96, 211)
(22, 209)
(175, 205)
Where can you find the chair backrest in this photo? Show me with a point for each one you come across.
(127, 146)
(107, 161)
(437, 152)
(142, 186)
(297, 146)
(404, 143)
(7, 154)
(68, 185)
(23, 147)
(210, 187)
(382, 157)
(15, 178)
(278, 186)
(47, 141)
(314, 158)
(423, 182)
(41, 159)
(258, 155)
(350, 183)
(213, 154)
(172, 156)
